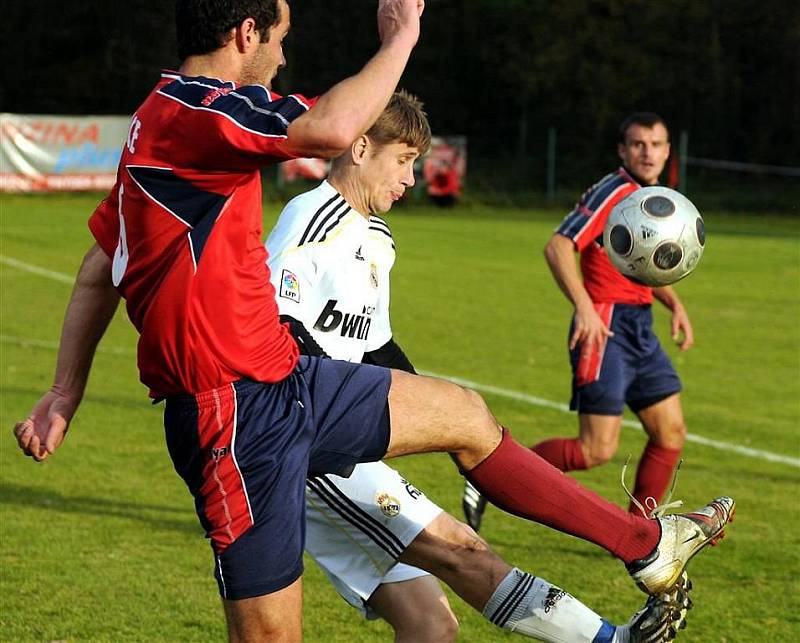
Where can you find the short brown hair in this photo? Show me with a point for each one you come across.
(403, 121)
(645, 119)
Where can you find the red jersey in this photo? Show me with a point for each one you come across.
(584, 225)
(183, 226)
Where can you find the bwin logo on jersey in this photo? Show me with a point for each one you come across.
(351, 325)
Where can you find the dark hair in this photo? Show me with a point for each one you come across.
(202, 26)
(645, 119)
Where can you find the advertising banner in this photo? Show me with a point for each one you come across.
(444, 169)
(40, 153)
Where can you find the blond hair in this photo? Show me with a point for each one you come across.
(403, 121)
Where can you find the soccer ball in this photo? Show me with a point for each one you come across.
(655, 236)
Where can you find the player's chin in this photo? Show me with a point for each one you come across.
(385, 204)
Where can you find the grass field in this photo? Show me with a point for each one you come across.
(100, 543)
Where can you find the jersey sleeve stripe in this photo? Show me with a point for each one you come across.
(381, 230)
(602, 191)
(316, 217)
(324, 219)
(335, 223)
(250, 107)
(380, 225)
(572, 224)
(601, 209)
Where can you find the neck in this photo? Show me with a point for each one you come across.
(346, 184)
(217, 64)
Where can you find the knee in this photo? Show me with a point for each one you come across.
(253, 631)
(435, 624)
(597, 453)
(673, 436)
(477, 408)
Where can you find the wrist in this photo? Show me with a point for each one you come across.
(72, 394)
(401, 42)
(584, 305)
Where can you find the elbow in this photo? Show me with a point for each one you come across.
(551, 251)
(335, 144)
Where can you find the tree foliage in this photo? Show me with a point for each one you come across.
(499, 71)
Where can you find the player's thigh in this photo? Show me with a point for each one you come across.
(275, 617)
(663, 422)
(417, 609)
(430, 414)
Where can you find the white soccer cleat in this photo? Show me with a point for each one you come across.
(663, 616)
(682, 536)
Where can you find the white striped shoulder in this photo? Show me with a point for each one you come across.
(379, 227)
(308, 218)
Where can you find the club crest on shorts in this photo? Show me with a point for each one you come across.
(373, 275)
(290, 286)
(388, 505)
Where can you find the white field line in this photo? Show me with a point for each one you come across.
(36, 270)
(690, 437)
(485, 388)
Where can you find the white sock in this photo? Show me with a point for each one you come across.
(533, 607)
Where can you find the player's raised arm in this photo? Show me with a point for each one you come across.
(349, 108)
(91, 307)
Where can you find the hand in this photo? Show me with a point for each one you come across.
(589, 329)
(399, 18)
(681, 323)
(45, 428)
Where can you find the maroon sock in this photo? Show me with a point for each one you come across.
(520, 482)
(563, 453)
(654, 473)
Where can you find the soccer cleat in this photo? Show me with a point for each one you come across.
(682, 536)
(474, 504)
(662, 616)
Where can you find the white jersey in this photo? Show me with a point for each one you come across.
(330, 268)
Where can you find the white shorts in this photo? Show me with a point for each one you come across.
(357, 528)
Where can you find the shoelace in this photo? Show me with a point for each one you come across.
(653, 510)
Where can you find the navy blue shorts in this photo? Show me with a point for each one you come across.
(631, 368)
(245, 450)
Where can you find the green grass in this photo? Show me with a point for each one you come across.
(100, 543)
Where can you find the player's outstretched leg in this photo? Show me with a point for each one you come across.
(682, 536)
(522, 603)
(533, 607)
(434, 415)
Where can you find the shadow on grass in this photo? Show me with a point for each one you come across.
(168, 518)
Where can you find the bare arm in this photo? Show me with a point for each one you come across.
(91, 307)
(351, 107)
(589, 328)
(680, 318)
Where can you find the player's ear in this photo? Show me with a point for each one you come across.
(621, 150)
(360, 149)
(246, 35)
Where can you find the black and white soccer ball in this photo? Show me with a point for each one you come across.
(655, 236)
